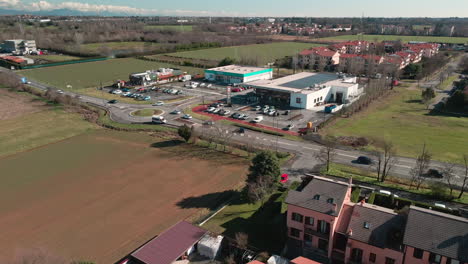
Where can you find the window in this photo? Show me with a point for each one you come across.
(316, 197)
(452, 261)
(372, 257)
(298, 101)
(309, 220)
(323, 227)
(315, 100)
(356, 255)
(295, 232)
(389, 261)
(418, 253)
(307, 240)
(366, 225)
(330, 200)
(297, 217)
(434, 258)
(323, 245)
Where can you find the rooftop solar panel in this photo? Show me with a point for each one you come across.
(310, 80)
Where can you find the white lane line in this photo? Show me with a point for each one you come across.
(310, 148)
(284, 143)
(346, 155)
(403, 166)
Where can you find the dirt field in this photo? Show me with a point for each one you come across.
(14, 105)
(100, 195)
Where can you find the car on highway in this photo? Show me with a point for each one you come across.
(434, 173)
(364, 160)
(187, 116)
(257, 119)
(158, 103)
(112, 101)
(176, 112)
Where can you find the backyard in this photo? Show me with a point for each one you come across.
(265, 53)
(100, 195)
(404, 120)
(458, 40)
(92, 74)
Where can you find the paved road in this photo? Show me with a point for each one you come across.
(304, 161)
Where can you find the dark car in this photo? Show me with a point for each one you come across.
(112, 101)
(364, 160)
(433, 173)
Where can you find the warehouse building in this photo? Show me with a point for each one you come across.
(163, 75)
(307, 90)
(19, 46)
(238, 74)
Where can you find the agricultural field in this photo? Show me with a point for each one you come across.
(181, 28)
(404, 120)
(92, 74)
(119, 46)
(265, 53)
(397, 37)
(27, 122)
(100, 195)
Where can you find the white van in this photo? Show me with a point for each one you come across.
(158, 120)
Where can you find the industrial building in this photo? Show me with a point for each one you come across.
(162, 75)
(19, 46)
(238, 74)
(307, 90)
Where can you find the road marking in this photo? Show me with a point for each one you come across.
(284, 143)
(310, 148)
(403, 166)
(346, 155)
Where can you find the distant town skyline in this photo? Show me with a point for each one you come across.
(244, 8)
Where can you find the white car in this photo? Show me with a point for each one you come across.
(441, 205)
(202, 84)
(186, 116)
(216, 110)
(271, 112)
(125, 94)
(159, 103)
(209, 85)
(158, 120)
(117, 92)
(60, 91)
(258, 119)
(210, 109)
(226, 112)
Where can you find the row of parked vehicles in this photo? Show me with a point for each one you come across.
(194, 85)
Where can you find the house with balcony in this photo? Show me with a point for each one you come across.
(357, 64)
(351, 47)
(325, 226)
(428, 49)
(318, 58)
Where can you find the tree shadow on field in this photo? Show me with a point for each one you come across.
(209, 201)
(167, 144)
(412, 101)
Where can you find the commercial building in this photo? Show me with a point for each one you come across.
(238, 74)
(323, 224)
(19, 46)
(306, 90)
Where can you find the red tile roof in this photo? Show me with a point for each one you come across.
(322, 51)
(346, 56)
(302, 260)
(170, 244)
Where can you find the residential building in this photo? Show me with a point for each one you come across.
(238, 74)
(428, 49)
(323, 224)
(360, 64)
(351, 47)
(307, 90)
(319, 58)
(19, 46)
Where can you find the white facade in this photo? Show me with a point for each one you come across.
(238, 74)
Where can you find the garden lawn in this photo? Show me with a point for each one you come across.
(265, 53)
(92, 74)
(55, 58)
(403, 38)
(402, 119)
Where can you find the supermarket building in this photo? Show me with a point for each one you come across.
(238, 74)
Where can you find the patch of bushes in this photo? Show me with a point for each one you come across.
(257, 129)
(355, 194)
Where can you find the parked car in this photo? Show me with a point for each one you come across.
(210, 109)
(441, 205)
(216, 110)
(241, 116)
(258, 119)
(125, 94)
(271, 112)
(434, 173)
(209, 85)
(221, 112)
(244, 117)
(287, 112)
(158, 103)
(147, 98)
(176, 112)
(186, 116)
(226, 112)
(235, 115)
(289, 127)
(387, 193)
(202, 84)
(112, 101)
(364, 160)
(258, 108)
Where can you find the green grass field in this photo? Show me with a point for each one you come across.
(91, 74)
(169, 27)
(405, 121)
(403, 38)
(264, 52)
(55, 58)
(147, 112)
(115, 46)
(41, 128)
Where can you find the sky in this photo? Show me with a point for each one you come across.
(248, 8)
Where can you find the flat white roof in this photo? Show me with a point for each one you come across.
(300, 82)
(237, 69)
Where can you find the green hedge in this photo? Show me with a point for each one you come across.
(355, 194)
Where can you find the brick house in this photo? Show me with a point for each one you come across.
(324, 225)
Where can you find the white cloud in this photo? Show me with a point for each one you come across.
(86, 7)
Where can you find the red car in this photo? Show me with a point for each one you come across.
(284, 178)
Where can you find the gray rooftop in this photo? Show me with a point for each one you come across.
(385, 228)
(436, 232)
(310, 80)
(326, 189)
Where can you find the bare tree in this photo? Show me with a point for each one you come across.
(465, 177)
(422, 164)
(448, 173)
(327, 152)
(258, 191)
(385, 160)
(242, 240)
